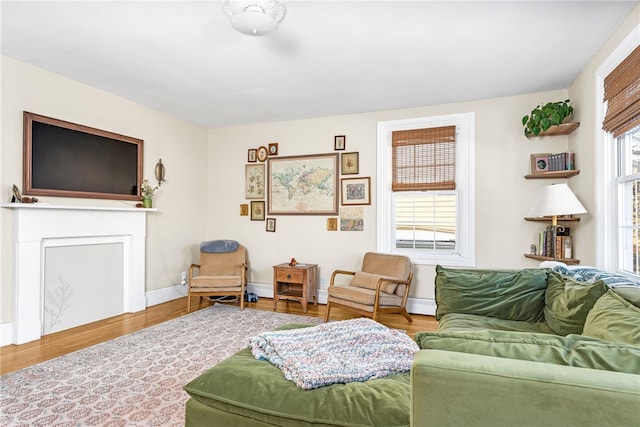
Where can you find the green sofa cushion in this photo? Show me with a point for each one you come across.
(473, 322)
(613, 318)
(630, 293)
(505, 294)
(257, 390)
(567, 302)
(572, 350)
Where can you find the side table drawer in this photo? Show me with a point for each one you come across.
(289, 275)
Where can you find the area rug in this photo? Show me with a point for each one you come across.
(134, 380)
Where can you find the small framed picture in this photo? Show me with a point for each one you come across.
(273, 149)
(332, 224)
(257, 210)
(252, 155)
(349, 164)
(339, 142)
(356, 191)
(271, 224)
(244, 209)
(254, 181)
(540, 162)
(263, 153)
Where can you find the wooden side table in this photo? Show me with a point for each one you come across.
(298, 283)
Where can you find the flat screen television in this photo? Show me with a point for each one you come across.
(71, 160)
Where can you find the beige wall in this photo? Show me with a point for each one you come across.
(503, 196)
(173, 233)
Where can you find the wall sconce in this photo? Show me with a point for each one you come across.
(160, 172)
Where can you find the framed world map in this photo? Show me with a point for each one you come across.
(303, 185)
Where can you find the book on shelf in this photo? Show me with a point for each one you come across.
(561, 161)
(562, 247)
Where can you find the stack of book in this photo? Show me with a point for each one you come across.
(562, 162)
(561, 248)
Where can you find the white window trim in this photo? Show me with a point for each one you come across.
(606, 238)
(465, 184)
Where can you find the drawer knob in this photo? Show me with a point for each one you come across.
(289, 276)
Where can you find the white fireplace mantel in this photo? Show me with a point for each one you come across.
(40, 225)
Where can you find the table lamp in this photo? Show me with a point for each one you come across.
(556, 200)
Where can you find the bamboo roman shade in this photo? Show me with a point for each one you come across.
(424, 159)
(622, 94)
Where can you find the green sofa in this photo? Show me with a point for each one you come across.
(528, 348)
(514, 348)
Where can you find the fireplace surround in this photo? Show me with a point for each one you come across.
(40, 226)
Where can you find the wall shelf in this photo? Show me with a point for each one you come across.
(553, 175)
(549, 258)
(561, 129)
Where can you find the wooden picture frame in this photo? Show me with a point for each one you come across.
(273, 149)
(254, 179)
(332, 224)
(257, 210)
(271, 225)
(356, 191)
(303, 185)
(540, 162)
(263, 153)
(252, 155)
(244, 209)
(349, 163)
(339, 142)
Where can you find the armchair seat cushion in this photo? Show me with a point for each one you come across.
(363, 296)
(216, 282)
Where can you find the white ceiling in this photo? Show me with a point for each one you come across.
(327, 57)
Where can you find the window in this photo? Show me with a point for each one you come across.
(425, 189)
(628, 218)
(618, 160)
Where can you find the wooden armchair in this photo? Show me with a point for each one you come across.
(222, 271)
(381, 286)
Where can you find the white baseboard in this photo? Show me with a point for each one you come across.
(158, 296)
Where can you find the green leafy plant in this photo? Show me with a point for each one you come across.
(147, 189)
(544, 116)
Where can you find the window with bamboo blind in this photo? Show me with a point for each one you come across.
(622, 121)
(618, 160)
(425, 173)
(424, 159)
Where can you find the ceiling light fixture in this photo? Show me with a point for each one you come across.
(254, 17)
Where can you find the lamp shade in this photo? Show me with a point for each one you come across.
(555, 200)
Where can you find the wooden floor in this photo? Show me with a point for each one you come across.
(14, 357)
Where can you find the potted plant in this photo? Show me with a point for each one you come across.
(147, 193)
(544, 116)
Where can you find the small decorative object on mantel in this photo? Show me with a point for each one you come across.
(293, 262)
(543, 117)
(147, 193)
(16, 197)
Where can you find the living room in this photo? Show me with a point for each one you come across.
(205, 177)
(204, 191)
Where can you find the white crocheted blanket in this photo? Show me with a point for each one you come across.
(336, 352)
